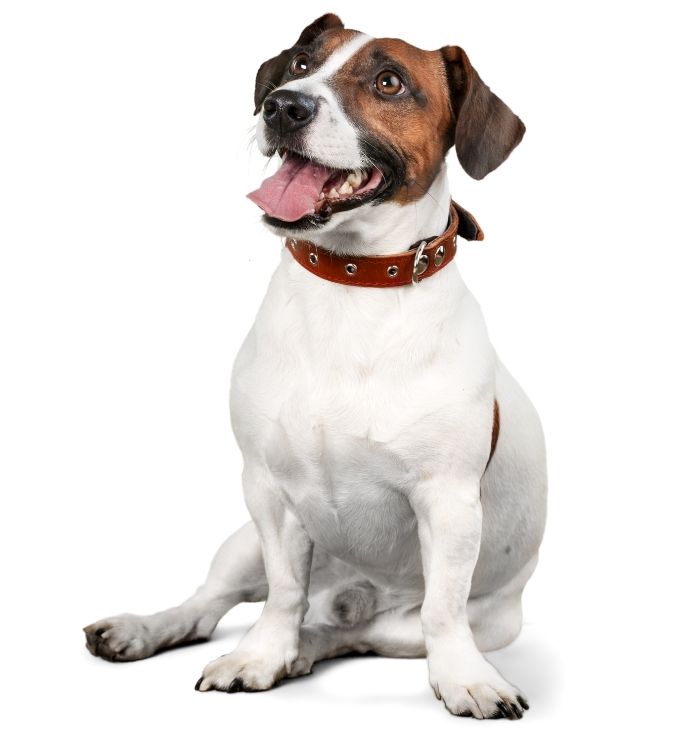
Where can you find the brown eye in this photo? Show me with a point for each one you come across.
(389, 83)
(300, 64)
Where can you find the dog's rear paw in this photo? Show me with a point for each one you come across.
(121, 638)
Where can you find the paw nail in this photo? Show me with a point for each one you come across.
(235, 686)
(199, 683)
(505, 711)
(523, 702)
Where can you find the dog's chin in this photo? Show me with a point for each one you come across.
(323, 222)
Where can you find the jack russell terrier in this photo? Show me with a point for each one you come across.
(393, 468)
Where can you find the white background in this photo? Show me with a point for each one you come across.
(132, 266)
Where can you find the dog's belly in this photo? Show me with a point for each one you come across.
(349, 493)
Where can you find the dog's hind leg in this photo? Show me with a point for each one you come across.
(237, 574)
(496, 618)
(395, 633)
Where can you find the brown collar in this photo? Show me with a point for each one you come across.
(387, 271)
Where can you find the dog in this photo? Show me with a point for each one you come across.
(393, 468)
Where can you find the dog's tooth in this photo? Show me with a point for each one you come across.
(333, 193)
(364, 176)
(354, 179)
(346, 188)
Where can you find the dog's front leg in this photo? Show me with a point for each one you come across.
(448, 512)
(268, 652)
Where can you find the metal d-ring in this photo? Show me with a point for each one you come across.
(420, 262)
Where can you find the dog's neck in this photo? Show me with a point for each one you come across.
(388, 227)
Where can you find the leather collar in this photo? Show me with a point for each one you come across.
(390, 270)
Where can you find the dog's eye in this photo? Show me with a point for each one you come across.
(389, 83)
(300, 64)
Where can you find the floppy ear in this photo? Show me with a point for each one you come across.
(271, 72)
(486, 129)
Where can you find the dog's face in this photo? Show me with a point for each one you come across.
(361, 122)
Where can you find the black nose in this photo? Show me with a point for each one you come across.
(288, 110)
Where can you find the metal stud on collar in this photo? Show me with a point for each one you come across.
(392, 271)
(439, 256)
(350, 268)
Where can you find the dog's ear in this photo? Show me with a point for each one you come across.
(486, 130)
(271, 72)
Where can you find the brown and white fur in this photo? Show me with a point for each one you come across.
(365, 415)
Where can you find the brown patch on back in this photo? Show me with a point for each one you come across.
(419, 127)
(495, 429)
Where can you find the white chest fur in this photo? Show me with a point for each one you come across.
(347, 396)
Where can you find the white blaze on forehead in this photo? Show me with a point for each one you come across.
(334, 62)
(331, 138)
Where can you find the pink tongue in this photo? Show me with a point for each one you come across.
(292, 192)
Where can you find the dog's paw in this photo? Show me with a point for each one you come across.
(483, 700)
(121, 638)
(244, 670)
(481, 693)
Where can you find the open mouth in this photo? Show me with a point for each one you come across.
(310, 192)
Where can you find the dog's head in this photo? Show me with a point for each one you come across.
(361, 122)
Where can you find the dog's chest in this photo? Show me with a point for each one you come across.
(334, 394)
